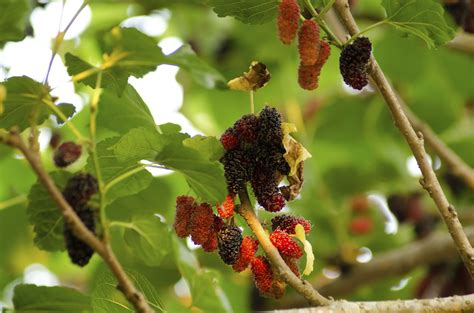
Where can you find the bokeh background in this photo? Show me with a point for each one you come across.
(358, 154)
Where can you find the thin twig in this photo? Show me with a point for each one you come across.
(13, 201)
(416, 143)
(78, 227)
(278, 264)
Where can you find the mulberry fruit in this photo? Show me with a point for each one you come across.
(79, 252)
(201, 223)
(274, 203)
(67, 153)
(211, 243)
(308, 42)
(238, 168)
(185, 205)
(269, 126)
(291, 262)
(287, 223)
(308, 76)
(247, 252)
(229, 139)
(361, 225)
(80, 188)
(226, 209)
(353, 63)
(246, 128)
(324, 53)
(277, 290)
(285, 244)
(265, 187)
(230, 240)
(262, 273)
(288, 16)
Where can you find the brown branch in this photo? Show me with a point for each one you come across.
(78, 227)
(416, 143)
(436, 248)
(436, 305)
(278, 264)
(463, 42)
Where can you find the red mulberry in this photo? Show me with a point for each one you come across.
(285, 244)
(247, 252)
(211, 243)
(67, 153)
(288, 16)
(308, 75)
(185, 205)
(361, 225)
(230, 240)
(354, 61)
(79, 252)
(246, 128)
(229, 139)
(201, 223)
(226, 209)
(262, 273)
(287, 223)
(308, 42)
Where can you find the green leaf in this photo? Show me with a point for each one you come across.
(197, 162)
(106, 298)
(24, 98)
(246, 11)
(13, 19)
(201, 72)
(209, 147)
(121, 114)
(45, 216)
(210, 298)
(148, 238)
(31, 298)
(112, 168)
(422, 18)
(67, 109)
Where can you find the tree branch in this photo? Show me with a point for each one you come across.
(416, 143)
(437, 305)
(79, 229)
(278, 264)
(436, 248)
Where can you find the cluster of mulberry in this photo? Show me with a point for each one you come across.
(66, 154)
(78, 191)
(313, 51)
(354, 61)
(254, 153)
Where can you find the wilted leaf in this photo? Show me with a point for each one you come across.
(257, 77)
(295, 152)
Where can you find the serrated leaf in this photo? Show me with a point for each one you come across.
(209, 299)
(129, 52)
(67, 109)
(35, 299)
(422, 18)
(45, 216)
(24, 96)
(148, 238)
(209, 147)
(202, 172)
(13, 20)
(112, 168)
(106, 298)
(201, 72)
(121, 114)
(246, 11)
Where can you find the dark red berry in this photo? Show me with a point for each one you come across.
(354, 61)
(80, 188)
(308, 42)
(246, 128)
(287, 223)
(67, 153)
(230, 240)
(79, 252)
(211, 243)
(229, 139)
(262, 273)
